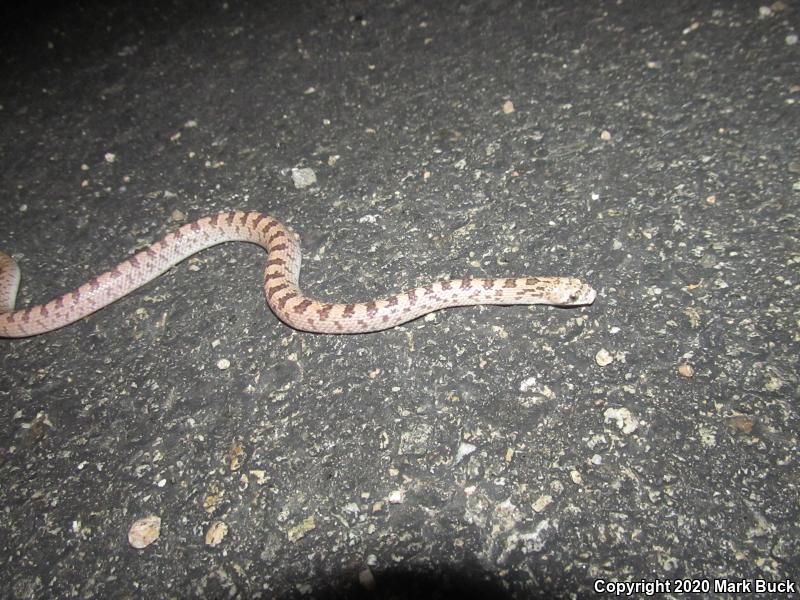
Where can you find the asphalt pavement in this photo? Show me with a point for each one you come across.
(184, 443)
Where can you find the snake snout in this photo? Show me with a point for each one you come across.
(581, 295)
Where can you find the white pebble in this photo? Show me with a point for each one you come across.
(303, 178)
(144, 532)
(216, 533)
(397, 497)
(542, 502)
(625, 421)
(603, 357)
(464, 449)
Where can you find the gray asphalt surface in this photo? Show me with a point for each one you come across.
(497, 452)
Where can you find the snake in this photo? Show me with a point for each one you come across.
(281, 284)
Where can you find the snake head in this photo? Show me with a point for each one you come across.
(578, 293)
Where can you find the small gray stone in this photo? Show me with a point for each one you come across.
(303, 178)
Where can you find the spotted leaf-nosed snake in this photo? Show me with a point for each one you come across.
(281, 284)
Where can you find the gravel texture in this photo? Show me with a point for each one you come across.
(184, 443)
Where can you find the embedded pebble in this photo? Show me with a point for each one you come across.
(603, 357)
(223, 364)
(542, 502)
(212, 501)
(625, 421)
(416, 440)
(397, 497)
(299, 531)
(216, 533)
(685, 370)
(144, 532)
(464, 449)
(260, 475)
(743, 423)
(303, 178)
(236, 455)
(693, 26)
(508, 107)
(774, 383)
(708, 436)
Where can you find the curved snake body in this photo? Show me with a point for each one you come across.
(281, 284)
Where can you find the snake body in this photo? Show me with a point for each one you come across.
(281, 284)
